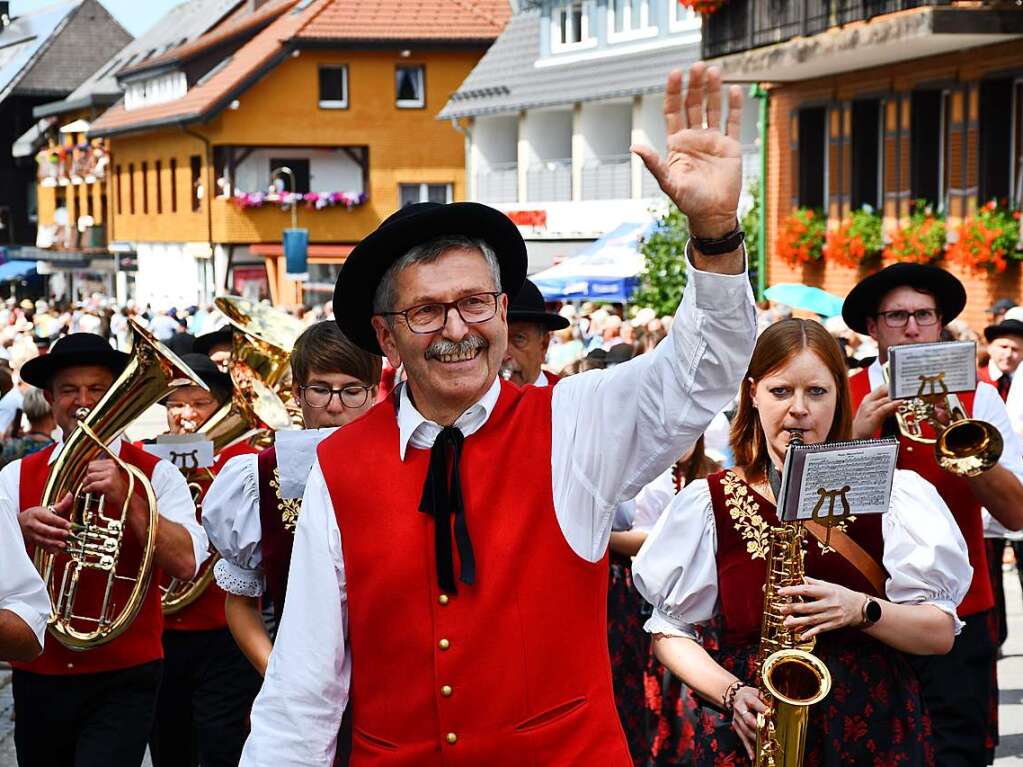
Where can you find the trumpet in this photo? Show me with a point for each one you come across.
(966, 447)
(96, 587)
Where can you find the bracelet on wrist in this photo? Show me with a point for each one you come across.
(728, 699)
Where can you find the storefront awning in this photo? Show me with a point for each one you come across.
(15, 270)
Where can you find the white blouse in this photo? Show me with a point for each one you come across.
(924, 553)
(230, 516)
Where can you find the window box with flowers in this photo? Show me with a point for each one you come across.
(920, 238)
(857, 241)
(801, 237)
(988, 240)
(702, 6)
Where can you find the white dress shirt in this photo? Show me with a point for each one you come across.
(173, 499)
(613, 431)
(22, 590)
(924, 553)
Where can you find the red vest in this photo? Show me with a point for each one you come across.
(741, 576)
(142, 642)
(276, 542)
(954, 491)
(207, 612)
(514, 669)
(552, 378)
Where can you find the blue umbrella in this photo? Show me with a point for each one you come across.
(805, 297)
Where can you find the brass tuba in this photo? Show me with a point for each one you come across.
(791, 677)
(964, 446)
(93, 600)
(261, 345)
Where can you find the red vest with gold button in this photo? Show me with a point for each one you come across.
(141, 643)
(510, 672)
(738, 513)
(954, 491)
(207, 612)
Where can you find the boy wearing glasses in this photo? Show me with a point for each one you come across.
(906, 304)
(249, 523)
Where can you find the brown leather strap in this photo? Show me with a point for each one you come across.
(853, 553)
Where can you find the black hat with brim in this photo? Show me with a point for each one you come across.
(71, 351)
(400, 232)
(529, 306)
(1002, 329)
(218, 382)
(863, 300)
(207, 341)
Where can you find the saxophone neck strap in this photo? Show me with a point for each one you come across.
(853, 553)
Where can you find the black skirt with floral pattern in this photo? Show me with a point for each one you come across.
(873, 716)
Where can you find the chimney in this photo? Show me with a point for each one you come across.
(5, 14)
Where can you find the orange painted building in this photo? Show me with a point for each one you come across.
(882, 108)
(331, 100)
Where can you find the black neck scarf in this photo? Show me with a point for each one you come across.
(442, 499)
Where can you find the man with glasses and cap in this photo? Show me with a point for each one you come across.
(529, 334)
(450, 565)
(95, 707)
(910, 303)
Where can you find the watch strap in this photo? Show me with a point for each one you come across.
(721, 245)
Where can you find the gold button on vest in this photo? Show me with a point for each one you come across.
(452, 738)
(446, 691)
(443, 599)
(444, 644)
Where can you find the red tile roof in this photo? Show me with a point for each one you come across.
(409, 20)
(319, 20)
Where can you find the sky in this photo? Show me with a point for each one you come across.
(134, 15)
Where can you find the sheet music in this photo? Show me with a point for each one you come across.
(185, 451)
(838, 478)
(296, 452)
(957, 360)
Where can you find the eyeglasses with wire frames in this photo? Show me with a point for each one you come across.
(899, 318)
(319, 396)
(429, 318)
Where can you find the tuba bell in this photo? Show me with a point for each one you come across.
(94, 594)
(964, 446)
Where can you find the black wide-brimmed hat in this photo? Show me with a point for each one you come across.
(1003, 328)
(207, 341)
(863, 300)
(528, 306)
(218, 382)
(400, 232)
(69, 351)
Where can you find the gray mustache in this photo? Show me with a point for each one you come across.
(467, 344)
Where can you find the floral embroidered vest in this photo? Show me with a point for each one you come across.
(743, 519)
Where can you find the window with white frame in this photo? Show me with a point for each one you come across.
(333, 87)
(683, 19)
(626, 17)
(410, 87)
(409, 194)
(571, 24)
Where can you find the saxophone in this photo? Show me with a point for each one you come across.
(790, 677)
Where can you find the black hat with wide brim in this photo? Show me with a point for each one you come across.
(400, 232)
(207, 341)
(863, 300)
(529, 306)
(70, 351)
(218, 382)
(1002, 329)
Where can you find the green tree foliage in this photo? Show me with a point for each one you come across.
(664, 271)
(751, 225)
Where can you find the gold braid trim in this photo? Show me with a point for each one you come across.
(745, 514)
(289, 507)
